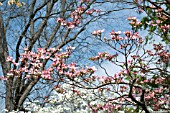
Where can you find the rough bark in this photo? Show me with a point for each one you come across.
(5, 66)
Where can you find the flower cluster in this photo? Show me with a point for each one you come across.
(69, 25)
(134, 22)
(68, 100)
(91, 11)
(126, 40)
(31, 64)
(97, 32)
(160, 52)
(76, 15)
(105, 56)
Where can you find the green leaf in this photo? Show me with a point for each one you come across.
(127, 78)
(153, 28)
(144, 22)
(147, 38)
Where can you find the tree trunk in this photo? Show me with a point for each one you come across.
(9, 101)
(9, 104)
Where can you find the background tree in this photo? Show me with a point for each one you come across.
(40, 24)
(142, 80)
(156, 21)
